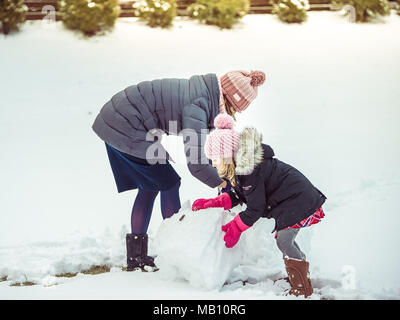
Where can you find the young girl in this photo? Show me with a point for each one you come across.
(270, 188)
(130, 118)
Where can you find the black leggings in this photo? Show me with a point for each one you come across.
(143, 207)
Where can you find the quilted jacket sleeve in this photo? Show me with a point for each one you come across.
(195, 119)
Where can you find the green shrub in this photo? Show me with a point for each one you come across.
(157, 13)
(222, 13)
(12, 14)
(290, 11)
(365, 10)
(89, 16)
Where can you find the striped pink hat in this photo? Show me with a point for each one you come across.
(223, 142)
(240, 87)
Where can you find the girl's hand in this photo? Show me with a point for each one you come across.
(199, 204)
(233, 231)
(222, 201)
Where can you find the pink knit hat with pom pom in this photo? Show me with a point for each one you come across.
(223, 142)
(240, 87)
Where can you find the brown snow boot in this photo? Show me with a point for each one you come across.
(298, 273)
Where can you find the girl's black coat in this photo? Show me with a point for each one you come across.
(276, 190)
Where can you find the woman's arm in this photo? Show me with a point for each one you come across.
(195, 129)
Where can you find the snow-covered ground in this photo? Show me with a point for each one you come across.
(330, 107)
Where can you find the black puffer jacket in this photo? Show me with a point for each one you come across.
(270, 187)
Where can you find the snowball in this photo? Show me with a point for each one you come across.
(190, 246)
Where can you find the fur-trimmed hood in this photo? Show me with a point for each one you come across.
(251, 151)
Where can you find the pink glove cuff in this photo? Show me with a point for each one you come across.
(241, 225)
(226, 201)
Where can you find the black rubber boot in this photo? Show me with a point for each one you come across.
(136, 253)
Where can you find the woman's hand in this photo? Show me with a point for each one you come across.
(223, 184)
(228, 186)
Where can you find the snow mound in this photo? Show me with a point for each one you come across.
(190, 246)
(40, 262)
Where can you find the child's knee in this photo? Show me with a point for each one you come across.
(285, 239)
(286, 244)
(282, 243)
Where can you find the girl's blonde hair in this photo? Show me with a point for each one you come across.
(229, 108)
(227, 170)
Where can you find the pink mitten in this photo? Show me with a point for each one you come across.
(199, 204)
(223, 201)
(233, 231)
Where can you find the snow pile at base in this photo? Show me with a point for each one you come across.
(40, 262)
(190, 246)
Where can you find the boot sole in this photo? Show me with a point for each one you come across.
(150, 269)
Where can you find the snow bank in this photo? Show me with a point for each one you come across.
(40, 262)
